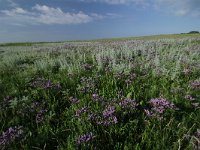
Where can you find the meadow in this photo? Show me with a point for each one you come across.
(117, 94)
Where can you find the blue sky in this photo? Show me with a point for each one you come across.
(59, 20)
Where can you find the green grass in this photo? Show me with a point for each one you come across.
(52, 94)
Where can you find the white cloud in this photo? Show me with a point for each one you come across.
(42, 14)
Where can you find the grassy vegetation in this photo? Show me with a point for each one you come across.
(162, 36)
(104, 94)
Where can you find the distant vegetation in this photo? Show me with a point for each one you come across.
(15, 44)
(193, 32)
(23, 44)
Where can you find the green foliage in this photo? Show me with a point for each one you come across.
(193, 32)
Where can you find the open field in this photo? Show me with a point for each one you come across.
(135, 93)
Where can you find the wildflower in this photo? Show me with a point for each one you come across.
(128, 103)
(92, 117)
(10, 135)
(162, 103)
(195, 84)
(85, 138)
(81, 111)
(108, 121)
(159, 106)
(108, 111)
(108, 116)
(189, 97)
(148, 113)
(48, 84)
(97, 98)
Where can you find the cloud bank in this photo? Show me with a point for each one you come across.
(42, 14)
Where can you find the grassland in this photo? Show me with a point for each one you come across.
(134, 93)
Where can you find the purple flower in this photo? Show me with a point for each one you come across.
(10, 135)
(85, 138)
(81, 111)
(97, 98)
(108, 121)
(195, 84)
(161, 102)
(148, 113)
(48, 84)
(189, 97)
(107, 117)
(93, 117)
(159, 106)
(109, 111)
(128, 103)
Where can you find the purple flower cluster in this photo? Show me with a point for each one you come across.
(128, 103)
(97, 98)
(79, 112)
(108, 116)
(108, 121)
(39, 109)
(109, 111)
(85, 138)
(105, 118)
(10, 135)
(159, 106)
(192, 100)
(195, 84)
(43, 83)
(162, 103)
(189, 97)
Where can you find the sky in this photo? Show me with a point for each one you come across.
(61, 20)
